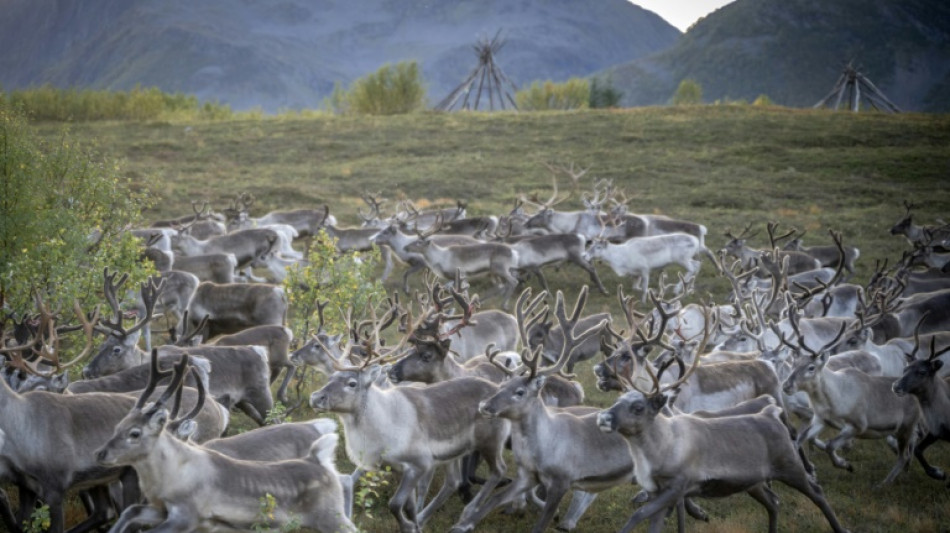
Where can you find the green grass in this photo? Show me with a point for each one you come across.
(723, 166)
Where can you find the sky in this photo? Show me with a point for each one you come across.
(681, 13)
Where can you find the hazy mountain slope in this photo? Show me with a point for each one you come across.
(289, 53)
(794, 50)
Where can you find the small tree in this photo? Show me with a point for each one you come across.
(603, 94)
(340, 280)
(63, 215)
(689, 92)
(391, 90)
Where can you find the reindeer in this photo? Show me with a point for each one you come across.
(737, 247)
(589, 461)
(683, 455)
(232, 307)
(833, 256)
(396, 239)
(215, 267)
(247, 245)
(217, 490)
(50, 437)
(495, 259)
(860, 405)
(238, 377)
(305, 222)
(915, 234)
(921, 380)
(586, 223)
(276, 339)
(412, 429)
(637, 257)
(534, 252)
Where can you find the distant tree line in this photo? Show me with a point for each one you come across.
(51, 103)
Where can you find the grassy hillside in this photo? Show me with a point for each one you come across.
(720, 166)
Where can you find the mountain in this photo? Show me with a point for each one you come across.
(289, 53)
(794, 51)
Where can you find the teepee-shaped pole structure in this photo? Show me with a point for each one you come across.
(853, 85)
(489, 78)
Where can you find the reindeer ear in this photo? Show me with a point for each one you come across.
(936, 364)
(538, 382)
(157, 421)
(657, 402)
(335, 339)
(187, 429)
(371, 374)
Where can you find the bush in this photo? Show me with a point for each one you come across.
(391, 90)
(344, 281)
(63, 214)
(689, 92)
(603, 94)
(544, 96)
(763, 100)
(139, 104)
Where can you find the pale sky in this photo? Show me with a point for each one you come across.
(681, 13)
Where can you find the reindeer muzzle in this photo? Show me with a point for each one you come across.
(606, 422)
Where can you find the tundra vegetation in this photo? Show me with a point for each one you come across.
(722, 166)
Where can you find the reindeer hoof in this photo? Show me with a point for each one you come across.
(641, 497)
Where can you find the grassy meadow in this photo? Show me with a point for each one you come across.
(722, 166)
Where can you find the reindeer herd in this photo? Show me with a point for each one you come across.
(715, 399)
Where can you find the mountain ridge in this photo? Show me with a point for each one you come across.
(289, 54)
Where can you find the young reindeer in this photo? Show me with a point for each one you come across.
(190, 488)
(683, 455)
(412, 430)
(559, 448)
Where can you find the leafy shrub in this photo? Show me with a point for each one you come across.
(343, 280)
(63, 214)
(763, 100)
(138, 104)
(545, 96)
(603, 94)
(689, 92)
(391, 90)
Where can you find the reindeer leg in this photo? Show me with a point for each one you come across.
(763, 495)
(847, 432)
(580, 501)
(655, 507)
(554, 493)
(931, 471)
(282, 390)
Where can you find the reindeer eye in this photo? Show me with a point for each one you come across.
(519, 393)
(625, 357)
(811, 368)
(636, 407)
(135, 433)
(351, 383)
(116, 350)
